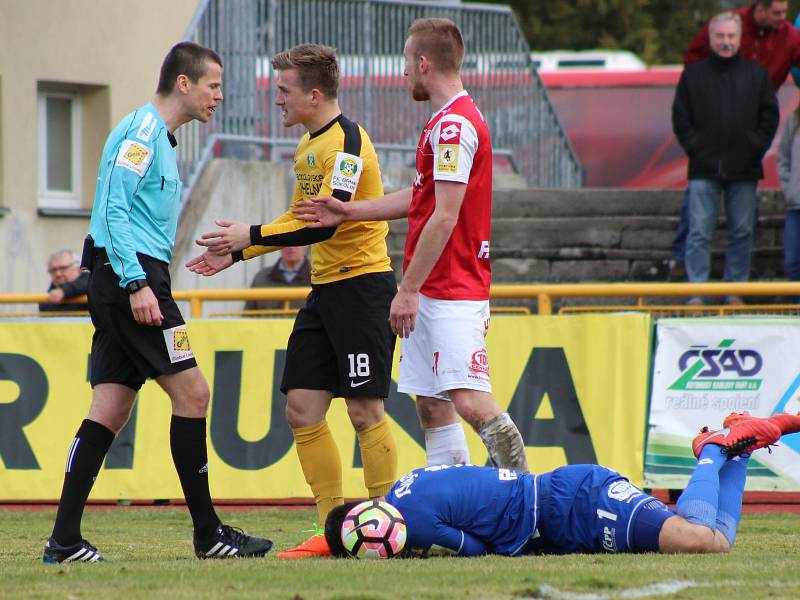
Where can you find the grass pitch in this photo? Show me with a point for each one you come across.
(150, 554)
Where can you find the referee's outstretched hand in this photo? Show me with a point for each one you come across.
(208, 263)
(145, 307)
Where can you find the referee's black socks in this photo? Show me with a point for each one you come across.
(187, 440)
(84, 460)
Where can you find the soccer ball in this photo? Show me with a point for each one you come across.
(373, 529)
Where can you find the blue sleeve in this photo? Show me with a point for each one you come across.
(128, 165)
(447, 540)
(796, 70)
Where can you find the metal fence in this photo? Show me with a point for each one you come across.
(369, 35)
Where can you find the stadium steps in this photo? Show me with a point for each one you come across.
(603, 235)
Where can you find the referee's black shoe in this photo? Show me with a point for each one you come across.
(83, 551)
(230, 542)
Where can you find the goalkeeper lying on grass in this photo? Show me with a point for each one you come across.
(469, 511)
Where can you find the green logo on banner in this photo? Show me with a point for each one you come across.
(720, 369)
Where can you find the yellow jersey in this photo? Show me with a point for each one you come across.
(339, 160)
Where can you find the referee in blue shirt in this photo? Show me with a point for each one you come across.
(139, 330)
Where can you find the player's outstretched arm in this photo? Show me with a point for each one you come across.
(233, 237)
(327, 211)
(208, 263)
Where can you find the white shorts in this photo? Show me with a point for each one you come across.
(447, 349)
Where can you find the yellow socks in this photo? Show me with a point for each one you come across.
(322, 466)
(379, 455)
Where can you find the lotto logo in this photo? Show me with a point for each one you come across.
(480, 362)
(450, 133)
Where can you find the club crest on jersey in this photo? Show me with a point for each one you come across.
(134, 157)
(310, 160)
(450, 133)
(346, 172)
(177, 342)
(480, 364)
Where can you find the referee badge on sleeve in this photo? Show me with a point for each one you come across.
(177, 342)
(134, 157)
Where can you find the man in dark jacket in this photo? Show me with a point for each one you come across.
(292, 269)
(770, 40)
(725, 115)
(66, 281)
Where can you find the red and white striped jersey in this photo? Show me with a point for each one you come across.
(455, 146)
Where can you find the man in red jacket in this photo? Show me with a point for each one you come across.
(767, 38)
(771, 41)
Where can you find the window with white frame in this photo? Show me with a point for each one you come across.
(59, 149)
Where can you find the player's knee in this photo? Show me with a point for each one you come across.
(298, 415)
(200, 396)
(364, 413)
(475, 407)
(435, 413)
(699, 540)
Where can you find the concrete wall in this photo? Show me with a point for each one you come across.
(110, 53)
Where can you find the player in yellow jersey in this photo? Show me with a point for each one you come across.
(341, 344)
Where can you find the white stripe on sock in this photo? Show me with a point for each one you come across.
(71, 454)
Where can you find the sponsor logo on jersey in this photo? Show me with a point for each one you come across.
(480, 363)
(484, 251)
(609, 539)
(404, 485)
(146, 128)
(346, 172)
(447, 159)
(418, 180)
(134, 157)
(177, 342)
(450, 133)
(623, 491)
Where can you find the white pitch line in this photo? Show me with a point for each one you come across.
(664, 588)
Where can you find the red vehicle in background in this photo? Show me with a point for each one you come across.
(620, 124)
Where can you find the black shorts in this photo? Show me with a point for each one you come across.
(123, 351)
(341, 341)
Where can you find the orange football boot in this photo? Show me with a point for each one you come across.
(745, 435)
(314, 547)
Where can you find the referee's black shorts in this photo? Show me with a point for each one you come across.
(341, 341)
(124, 351)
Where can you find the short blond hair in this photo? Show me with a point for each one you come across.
(440, 41)
(316, 65)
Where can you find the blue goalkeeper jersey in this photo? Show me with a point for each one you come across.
(466, 510)
(138, 195)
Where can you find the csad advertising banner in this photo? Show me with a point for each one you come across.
(704, 369)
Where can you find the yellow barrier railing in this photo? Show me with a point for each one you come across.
(544, 294)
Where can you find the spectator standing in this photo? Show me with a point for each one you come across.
(66, 281)
(771, 41)
(291, 269)
(724, 115)
(789, 175)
